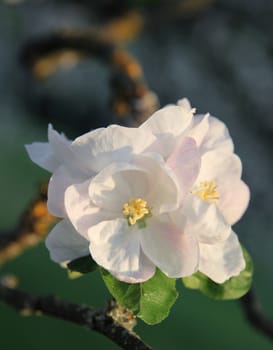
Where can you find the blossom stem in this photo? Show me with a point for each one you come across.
(96, 320)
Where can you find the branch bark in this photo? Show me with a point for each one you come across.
(96, 320)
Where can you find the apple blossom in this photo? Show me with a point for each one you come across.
(160, 195)
(110, 196)
(218, 185)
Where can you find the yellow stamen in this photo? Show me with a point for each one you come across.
(207, 191)
(136, 209)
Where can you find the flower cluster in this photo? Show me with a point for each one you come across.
(163, 195)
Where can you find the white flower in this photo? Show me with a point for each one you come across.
(117, 192)
(140, 198)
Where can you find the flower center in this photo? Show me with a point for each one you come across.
(136, 211)
(207, 191)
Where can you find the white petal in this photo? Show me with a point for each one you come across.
(170, 119)
(163, 145)
(185, 103)
(59, 144)
(115, 246)
(222, 260)
(58, 183)
(148, 178)
(81, 211)
(226, 170)
(199, 128)
(204, 221)
(219, 166)
(116, 184)
(41, 154)
(55, 153)
(63, 152)
(115, 143)
(185, 162)
(49, 155)
(65, 244)
(234, 200)
(175, 253)
(163, 193)
(217, 137)
(145, 272)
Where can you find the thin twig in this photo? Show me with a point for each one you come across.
(96, 320)
(255, 315)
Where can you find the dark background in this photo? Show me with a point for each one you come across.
(219, 54)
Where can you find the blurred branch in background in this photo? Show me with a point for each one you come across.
(112, 24)
(119, 22)
(169, 11)
(31, 229)
(118, 328)
(131, 96)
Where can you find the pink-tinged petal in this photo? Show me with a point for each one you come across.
(185, 162)
(41, 154)
(217, 137)
(81, 211)
(145, 272)
(115, 246)
(169, 120)
(222, 260)
(115, 143)
(116, 184)
(58, 183)
(65, 244)
(204, 221)
(220, 167)
(171, 250)
(234, 200)
(199, 128)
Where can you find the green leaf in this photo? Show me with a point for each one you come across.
(124, 293)
(233, 288)
(157, 297)
(150, 300)
(82, 265)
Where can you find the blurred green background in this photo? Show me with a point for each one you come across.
(220, 56)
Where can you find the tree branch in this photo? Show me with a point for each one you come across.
(96, 320)
(255, 315)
